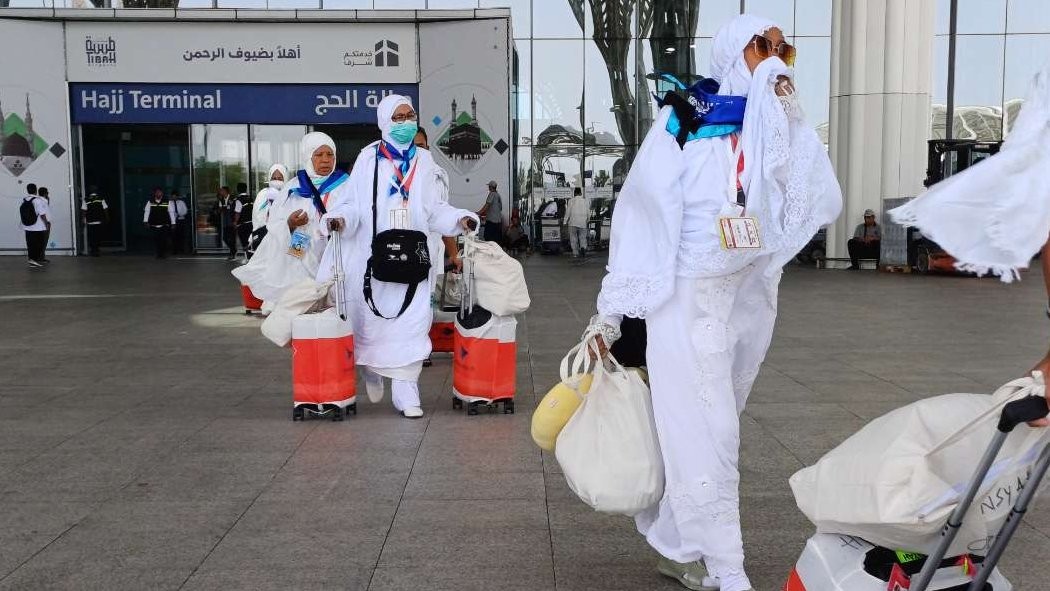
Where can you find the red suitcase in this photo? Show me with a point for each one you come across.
(484, 367)
(251, 303)
(443, 331)
(323, 377)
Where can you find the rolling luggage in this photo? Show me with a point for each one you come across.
(323, 376)
(443, 328)
(832, 562)
(484, 365)
(251, 303)
(550, 236)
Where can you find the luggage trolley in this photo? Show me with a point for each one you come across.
(832, 562)
(323, 374)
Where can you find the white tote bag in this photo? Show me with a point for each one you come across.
(498, 279)
(609, 449)
(895, 481)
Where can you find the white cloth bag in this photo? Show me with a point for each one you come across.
(297, 299)
(895, 481)
(609, 449)
(498, 279)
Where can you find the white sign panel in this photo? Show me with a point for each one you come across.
(605, 192)
(34, 133)
(464, 95)
(557, 193)
(242, 52)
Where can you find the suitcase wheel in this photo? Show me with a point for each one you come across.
(298, 414)
(247, 312)
(351, 410)
(457, 403)
(427, 362)
(472, 408)
(337, 412)
(508, 407)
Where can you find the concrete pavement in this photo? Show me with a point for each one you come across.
(146, 439)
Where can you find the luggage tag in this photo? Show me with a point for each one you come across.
(736, 229)
(299, 244)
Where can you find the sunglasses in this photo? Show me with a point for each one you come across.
(764, 47)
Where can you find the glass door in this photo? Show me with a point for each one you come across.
(150, 156)
(220, 159)
(274, 144)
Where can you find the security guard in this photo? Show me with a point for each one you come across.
(159, 217)
(95, 213)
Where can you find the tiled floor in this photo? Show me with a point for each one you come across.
(146, 440)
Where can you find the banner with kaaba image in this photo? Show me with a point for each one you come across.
(465, 107)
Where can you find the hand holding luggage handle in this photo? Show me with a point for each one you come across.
(1020, 411)
(336, 237)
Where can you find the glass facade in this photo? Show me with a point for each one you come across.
(999, 46)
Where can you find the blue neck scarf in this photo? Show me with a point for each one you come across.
(402, 161)
(333, 180)
(716, 114)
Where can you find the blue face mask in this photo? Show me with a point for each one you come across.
(404, 132)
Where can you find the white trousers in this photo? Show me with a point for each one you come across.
(577, 239)
(705, 347)
(404, 383)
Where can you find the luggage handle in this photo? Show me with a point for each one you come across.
(1025, 410)
(336, 237)
(1014, 413)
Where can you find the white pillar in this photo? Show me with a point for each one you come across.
(881, 54)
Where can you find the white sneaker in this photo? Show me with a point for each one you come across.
(413, 412)
(374, 387)
(692, 575)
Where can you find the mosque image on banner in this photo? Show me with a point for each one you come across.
(19, 143)
(464, 142)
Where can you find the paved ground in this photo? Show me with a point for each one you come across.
(146, 440)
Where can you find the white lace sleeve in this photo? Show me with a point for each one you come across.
(646, 229)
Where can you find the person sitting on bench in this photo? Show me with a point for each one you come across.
(866, 242)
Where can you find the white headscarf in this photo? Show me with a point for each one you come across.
(279, 168)
(385, 111)
(727, 53)
(308, 146)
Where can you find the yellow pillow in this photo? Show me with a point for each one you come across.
(555, 410)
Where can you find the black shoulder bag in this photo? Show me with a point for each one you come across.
(398, 256)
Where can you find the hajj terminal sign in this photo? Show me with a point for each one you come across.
(231, 103)
(193, 52)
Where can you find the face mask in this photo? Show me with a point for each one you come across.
(276, 184)
(404, 132)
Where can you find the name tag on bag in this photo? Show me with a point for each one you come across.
(739, 232)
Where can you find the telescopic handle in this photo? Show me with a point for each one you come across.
(1025, 410)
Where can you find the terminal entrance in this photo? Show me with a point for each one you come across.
(125, 163)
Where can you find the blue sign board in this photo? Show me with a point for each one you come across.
(231, 103)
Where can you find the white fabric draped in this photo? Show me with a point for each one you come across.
(994, 216)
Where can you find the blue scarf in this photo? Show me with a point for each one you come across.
(714, 114)
(336, 178)
(387, 150)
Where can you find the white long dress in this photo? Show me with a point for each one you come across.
(709, 311)
(273, 269)
(396, 343)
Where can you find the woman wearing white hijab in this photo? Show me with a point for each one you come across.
(407, 196)
(294, 241)
(709, 308)
(275, 181)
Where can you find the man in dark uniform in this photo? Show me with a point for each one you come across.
(159, 217)
(243, 217)
(95, 212)
(228, 208)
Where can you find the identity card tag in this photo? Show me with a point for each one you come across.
(739, 232)
(299, 244)
(399, 218)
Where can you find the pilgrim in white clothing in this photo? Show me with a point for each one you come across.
(710, 309)
(274, 190)
(409, 196)
(294, 240)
